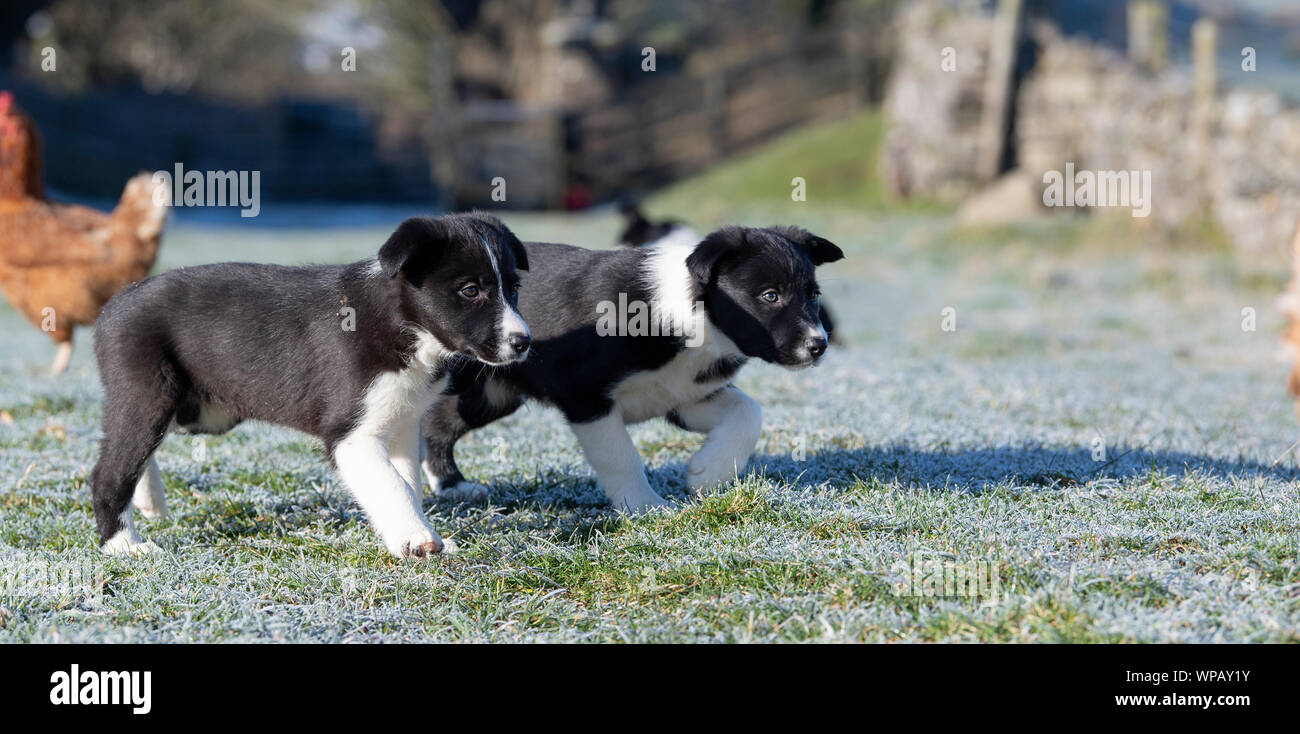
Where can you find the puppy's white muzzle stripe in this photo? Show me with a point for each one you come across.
(512, 325)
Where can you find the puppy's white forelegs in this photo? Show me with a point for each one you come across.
(386, 497)
(127, 541)
(404, 452)
(733, 422)
(610, 452)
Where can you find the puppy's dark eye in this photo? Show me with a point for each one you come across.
(769, 296)
(469, 291)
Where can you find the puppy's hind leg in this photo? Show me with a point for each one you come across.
(732, 421)
(452, 416)
(134, 425)
(148, 497)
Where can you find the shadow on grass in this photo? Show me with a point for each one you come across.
(966, 470)
(973, 470)
(573, 510)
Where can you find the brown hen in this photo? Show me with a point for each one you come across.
(60, 263)
(20, 153)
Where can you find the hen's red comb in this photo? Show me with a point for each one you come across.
(6, 101)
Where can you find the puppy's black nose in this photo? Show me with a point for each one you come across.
(519, 343)
(816, 346)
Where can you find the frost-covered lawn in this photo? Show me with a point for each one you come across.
(1098, 433)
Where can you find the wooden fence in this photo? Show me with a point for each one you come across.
(666, 127)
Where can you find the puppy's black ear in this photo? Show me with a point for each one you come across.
(704, 260)
(517, 248)
(414, 240)
(818, 249)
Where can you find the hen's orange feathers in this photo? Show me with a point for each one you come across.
(60, 263)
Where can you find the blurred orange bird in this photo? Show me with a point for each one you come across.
(60, 263)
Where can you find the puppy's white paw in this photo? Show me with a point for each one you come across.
(641, 503)
(462, 492)
(458, 491)
(704, 479)
(123, 545)
(416, 544)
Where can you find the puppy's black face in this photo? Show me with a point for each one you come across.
(760, 289)
(458, 281)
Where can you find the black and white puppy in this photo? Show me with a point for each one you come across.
(705, 308)
(353, 354)
(643, 232)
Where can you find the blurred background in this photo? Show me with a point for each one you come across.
(549, 94)
(555, 96)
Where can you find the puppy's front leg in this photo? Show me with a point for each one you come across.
(733, 422)
(404, 453)
(611, 453)
(386, 497)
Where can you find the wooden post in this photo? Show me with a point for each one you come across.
(1205, 37)
(853, 57)
(1159, 36)
(715, 102)
(642, 157)
(997, 88)
(1139, 36)
(1148, 34)
(444, 143)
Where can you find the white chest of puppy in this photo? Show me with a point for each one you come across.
(394, 401)
(654, 393)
